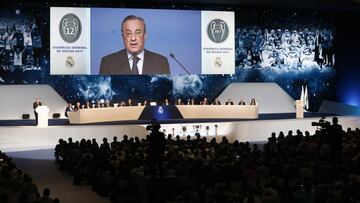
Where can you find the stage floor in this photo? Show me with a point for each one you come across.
(21, 135)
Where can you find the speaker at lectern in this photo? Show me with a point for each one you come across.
(43, 113)
(299, 108)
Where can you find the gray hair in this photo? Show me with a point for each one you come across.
(133, 17)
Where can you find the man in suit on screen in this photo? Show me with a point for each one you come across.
(134, 59)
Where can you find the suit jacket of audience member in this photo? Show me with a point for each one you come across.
(229, 103)
(35, 105)
(118, 64)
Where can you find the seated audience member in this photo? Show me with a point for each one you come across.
(166, 102)
(179, 102)
(69, 108)
(129, 102)
(204, 101)
(87, 105)
(28, 191)
(146, 103)
(46, 196)
(115, 144)
(229, 102)
(242, 102)
(108, 104)
(77, 106)
(253, 102)
(216, 102)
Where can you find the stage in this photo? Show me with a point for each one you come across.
(22, 135)
(275, 116)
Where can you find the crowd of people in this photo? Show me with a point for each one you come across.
(20, 46)
(15, 186)
(292, 167)
(304, 48)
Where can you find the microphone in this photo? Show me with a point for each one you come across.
(182, 66)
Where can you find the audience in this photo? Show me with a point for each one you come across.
(16, 186)
(46, 196)
(293, 168)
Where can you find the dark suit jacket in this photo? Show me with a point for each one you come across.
(216, 103)
(35, 105)
(118, 64)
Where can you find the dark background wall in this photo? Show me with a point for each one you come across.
(348, 57)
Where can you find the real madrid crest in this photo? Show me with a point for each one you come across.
(70, 28)
(218, 62)
(160, 110)
(69, 63)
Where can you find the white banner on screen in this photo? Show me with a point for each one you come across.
(217, 42)
(69, 41)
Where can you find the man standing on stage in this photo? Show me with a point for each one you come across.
(35, 105)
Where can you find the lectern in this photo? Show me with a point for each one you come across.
(43, 115)
(299, 109)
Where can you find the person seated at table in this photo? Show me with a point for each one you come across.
(166, 102)
(129, 102)
(87, 105)
(216, 102)
(179, 102)
(122, 103)
(146, 103)
(229, 102)
(69, 108)
(77, 106)
(253, 102)
(242, 102)
(108, 104)
(192, 102)
(204, 101)
(99, 104)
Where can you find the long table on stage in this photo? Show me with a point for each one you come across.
(219, 111)
(97, 115)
